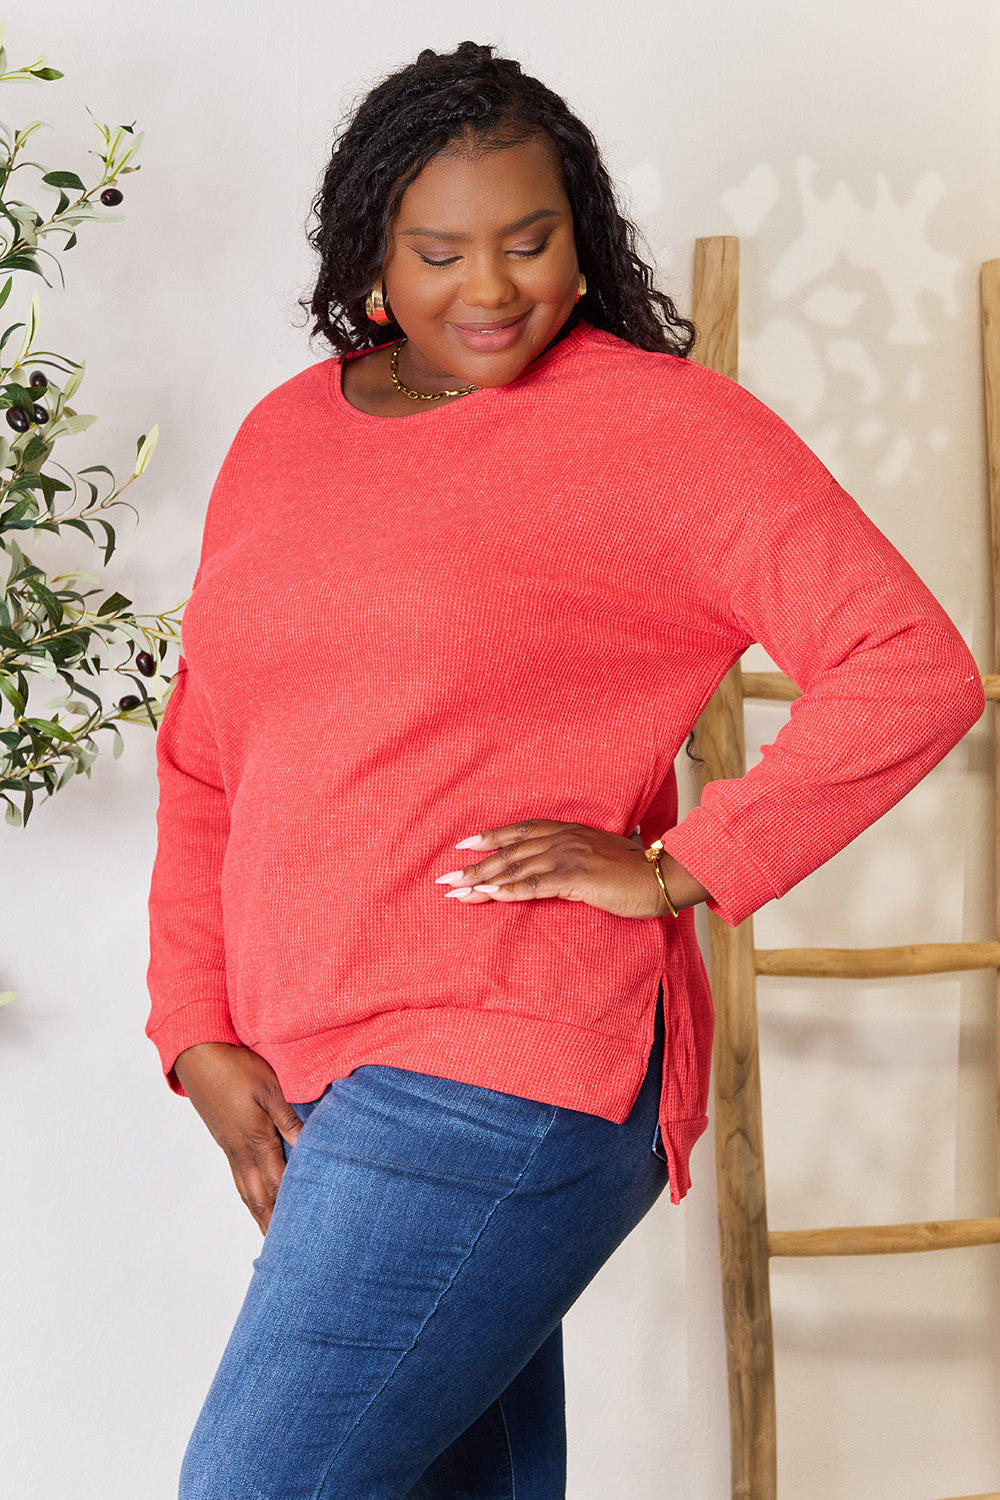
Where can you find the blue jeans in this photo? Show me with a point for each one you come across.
(401, 1337)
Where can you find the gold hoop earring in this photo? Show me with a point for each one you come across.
(375, 305)
(581, 287)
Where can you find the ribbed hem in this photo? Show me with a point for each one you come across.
(677, 1138)
(533, 1059)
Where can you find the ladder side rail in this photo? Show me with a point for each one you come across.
(990, 299)
(738, 1127)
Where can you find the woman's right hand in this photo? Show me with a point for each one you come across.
(239, 1098)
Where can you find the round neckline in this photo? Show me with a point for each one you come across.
(336, 385)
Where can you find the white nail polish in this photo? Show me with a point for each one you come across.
(460, 893)
(474, 843)
(452, 878)
(490, 890)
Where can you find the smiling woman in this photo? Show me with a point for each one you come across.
(466, 198)
(481, 296)
(448, 1094)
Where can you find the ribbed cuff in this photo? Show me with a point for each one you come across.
(198, 1021)
(737, 885)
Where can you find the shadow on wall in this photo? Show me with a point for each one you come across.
(842, 266)
(839, 278)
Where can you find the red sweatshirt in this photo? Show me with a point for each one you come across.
(406, 630)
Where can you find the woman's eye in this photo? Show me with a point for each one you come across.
(452, 259)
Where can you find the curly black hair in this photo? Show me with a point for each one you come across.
(413, 115)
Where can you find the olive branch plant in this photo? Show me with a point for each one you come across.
(63, 629)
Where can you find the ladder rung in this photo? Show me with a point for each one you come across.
(774, 685)
(885, 1239)
(876, 963)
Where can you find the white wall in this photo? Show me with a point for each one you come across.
(854, 149)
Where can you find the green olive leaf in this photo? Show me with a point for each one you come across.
(64, 180)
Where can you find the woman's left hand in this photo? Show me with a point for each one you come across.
(538, 858)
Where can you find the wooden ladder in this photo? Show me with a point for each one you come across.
(746, 1243)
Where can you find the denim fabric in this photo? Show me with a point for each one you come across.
(400, 1338)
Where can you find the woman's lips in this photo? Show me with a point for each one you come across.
(490, 338)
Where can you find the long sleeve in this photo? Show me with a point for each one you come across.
(187, 971)
(889, 687)
(187, 974)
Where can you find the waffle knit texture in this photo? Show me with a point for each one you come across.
(406, 630)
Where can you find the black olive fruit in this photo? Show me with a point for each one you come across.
(145, 663)
(129, 701)
(18, 418)
(111, 197)
(39, 414)
(39, 380)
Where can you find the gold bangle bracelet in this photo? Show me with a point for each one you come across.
(653, 854)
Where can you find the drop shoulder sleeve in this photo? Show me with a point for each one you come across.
(186, 977)
(889, 687)
(187, 968)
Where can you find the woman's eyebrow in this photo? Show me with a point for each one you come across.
(442, 234)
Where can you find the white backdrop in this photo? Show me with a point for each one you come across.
(853, 147)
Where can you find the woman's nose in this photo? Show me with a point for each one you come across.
(488, 284)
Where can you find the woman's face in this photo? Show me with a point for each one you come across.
(481, 270)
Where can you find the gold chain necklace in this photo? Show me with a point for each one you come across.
(419, 395)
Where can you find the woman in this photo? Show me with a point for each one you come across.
(467, 586)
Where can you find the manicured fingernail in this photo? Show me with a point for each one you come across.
(490, 890)
(473, 843)
(452, 878)
(465, 891)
